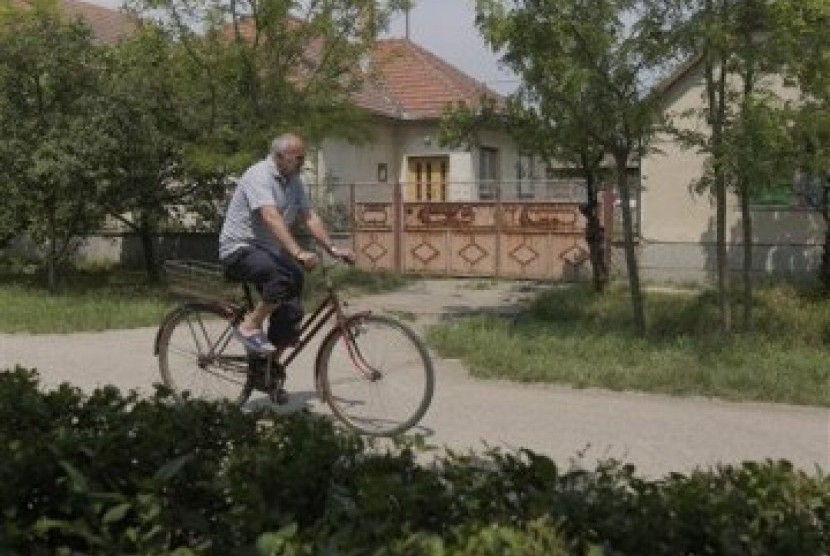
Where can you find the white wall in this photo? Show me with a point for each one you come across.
(393, 142)
(678, 224)
(357, 163)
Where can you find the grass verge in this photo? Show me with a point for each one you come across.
(572, 336)
(111, 298)
(87, 300)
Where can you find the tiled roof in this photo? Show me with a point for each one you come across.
(108, 25)
(409, 82)
(402, 80)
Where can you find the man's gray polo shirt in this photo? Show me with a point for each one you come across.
(259, 186)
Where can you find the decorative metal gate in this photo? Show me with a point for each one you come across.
(517, 239)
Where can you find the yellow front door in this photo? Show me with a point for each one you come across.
(427, 178)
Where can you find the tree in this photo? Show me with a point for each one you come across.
(260, 67)
(748, 137)
(753, 164)
(586, 66)
(199, 93)
(714, 50)
(743, 48)
(49, 77)
(151, 123)
(802, 35)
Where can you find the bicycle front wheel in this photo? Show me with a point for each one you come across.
(198, 356)
(376, 375)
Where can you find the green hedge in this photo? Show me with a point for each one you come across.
(110, 473)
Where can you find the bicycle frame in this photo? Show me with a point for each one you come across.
(330, 306)
(200, 336)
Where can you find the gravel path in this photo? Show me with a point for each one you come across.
(658, 433)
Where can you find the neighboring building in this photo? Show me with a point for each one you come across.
(677, 240)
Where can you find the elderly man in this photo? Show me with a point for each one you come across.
(256, 243)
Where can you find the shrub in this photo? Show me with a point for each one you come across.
(111, 473)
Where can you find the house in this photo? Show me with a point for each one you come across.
(406, 91)
(677, 241)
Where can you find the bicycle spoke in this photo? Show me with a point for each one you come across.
(196, 355)
(377, 376)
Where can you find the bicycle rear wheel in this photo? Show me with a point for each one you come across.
(376, 375)
(198, 355)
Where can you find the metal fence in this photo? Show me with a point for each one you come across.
(473, 229)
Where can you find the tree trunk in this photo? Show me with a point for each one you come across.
(716, 96)
(744, 189)
(746, 219)
(594, 232)
(824, 270)
(147, 233)
(637, 306)
(52, 257)
(724, 298)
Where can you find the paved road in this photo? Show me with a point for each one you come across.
(657, 433)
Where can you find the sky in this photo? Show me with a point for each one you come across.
(446, 28)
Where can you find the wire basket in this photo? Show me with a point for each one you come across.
(199, 280)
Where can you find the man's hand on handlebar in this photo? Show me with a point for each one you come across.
(344, 254)
(308, 259)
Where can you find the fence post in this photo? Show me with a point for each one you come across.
(353, 216)
(498, 217)
(608, 223)
(397, 210)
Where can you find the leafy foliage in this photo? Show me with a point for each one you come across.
(49, 86)
(169, 114)
(257, 67)
(108, 473)
(756, 138)
(152, 126)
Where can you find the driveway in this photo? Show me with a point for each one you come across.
(659, 434)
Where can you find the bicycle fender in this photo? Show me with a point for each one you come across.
(330, 337)
(172, 315)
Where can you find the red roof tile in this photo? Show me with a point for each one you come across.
(413, 83)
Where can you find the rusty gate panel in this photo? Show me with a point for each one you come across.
(440, 238)
(425, 252)
(539, 240)
(375, 237)
(474, 253)
(542, 240)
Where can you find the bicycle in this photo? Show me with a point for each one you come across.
(373, 372)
